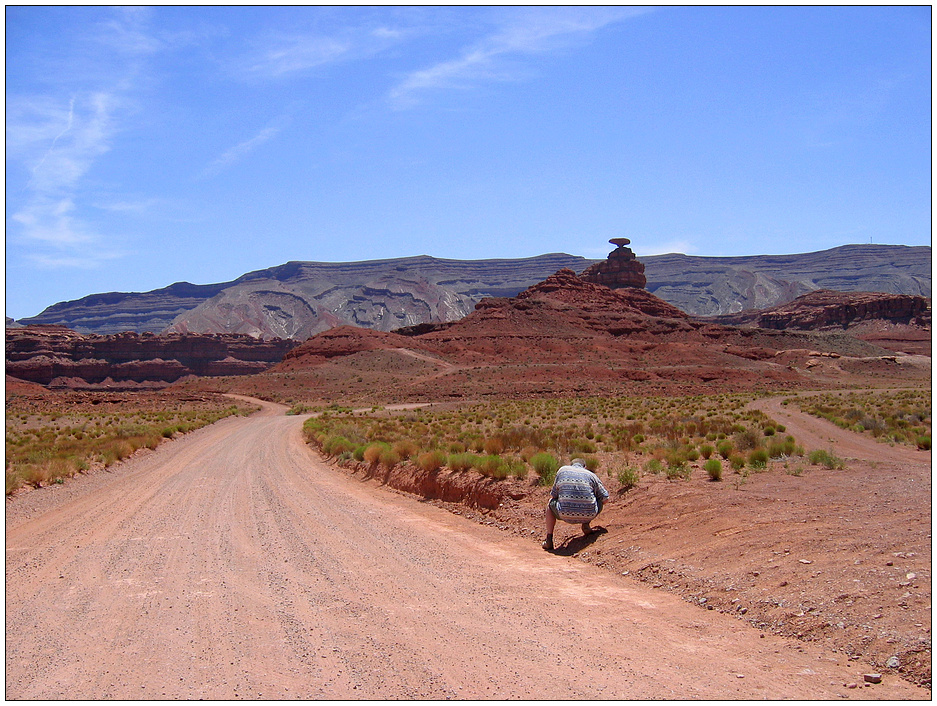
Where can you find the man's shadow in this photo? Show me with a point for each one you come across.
(579, 542)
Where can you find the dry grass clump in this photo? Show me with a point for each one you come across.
(713, 468)
(431, 460)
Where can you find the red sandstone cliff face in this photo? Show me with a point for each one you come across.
(827, 309)
(897, 322)
(45, 354)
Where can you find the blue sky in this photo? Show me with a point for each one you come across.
(149, 146)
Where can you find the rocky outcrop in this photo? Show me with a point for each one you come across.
(338, 342)
(620, 269)
(896, 322)
(828, 309)
(43, 354)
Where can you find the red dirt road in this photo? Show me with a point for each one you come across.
(232, 563)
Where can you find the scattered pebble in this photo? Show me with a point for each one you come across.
(873, 678)
(805, 561)
(893, 662)
(851, 685)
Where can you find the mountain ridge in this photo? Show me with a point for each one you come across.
(300, 298)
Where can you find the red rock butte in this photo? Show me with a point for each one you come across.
(621, 269)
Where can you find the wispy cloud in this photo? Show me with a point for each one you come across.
(87, 262)
(242, 149)
(132, 206)
(286, 55)
(57, 145)
(57, 138)
(519, 32)
(352, 34)
(128, 32)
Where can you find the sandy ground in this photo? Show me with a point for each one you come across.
(233, 563)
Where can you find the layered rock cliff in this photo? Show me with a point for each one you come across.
(711, 286)
(298, 299)
(52, 355)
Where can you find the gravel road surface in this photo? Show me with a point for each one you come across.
(233, 564)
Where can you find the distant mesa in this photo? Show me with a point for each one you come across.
(620, 270)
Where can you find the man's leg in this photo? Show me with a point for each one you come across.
(550, 522)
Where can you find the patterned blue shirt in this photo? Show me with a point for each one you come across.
(578, 493)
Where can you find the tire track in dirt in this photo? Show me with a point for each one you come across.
(232, 563)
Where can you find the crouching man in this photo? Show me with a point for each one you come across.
(577, 497)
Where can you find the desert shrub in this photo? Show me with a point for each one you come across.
(628, 477)
(492, 465)
(654, 466)
(786, 447)
(358, 453)
(581, 446)
(372, 454)
(692, 454)
(546, 466)
(461, 461)
(747, 439)
(516, 467)
(405, 448)
(769, 431)
(431, 460)
(713, 468)
(389, 458)
(706, 450)
(737, 461)
(36, 475)
(528, 452)
(676, 466)
(456, 447)
(14, 481)
(725, 448)
(493, 445)
(923, 442)
(821, 457)
(758, 458)
(337, 445)
(592, 463)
